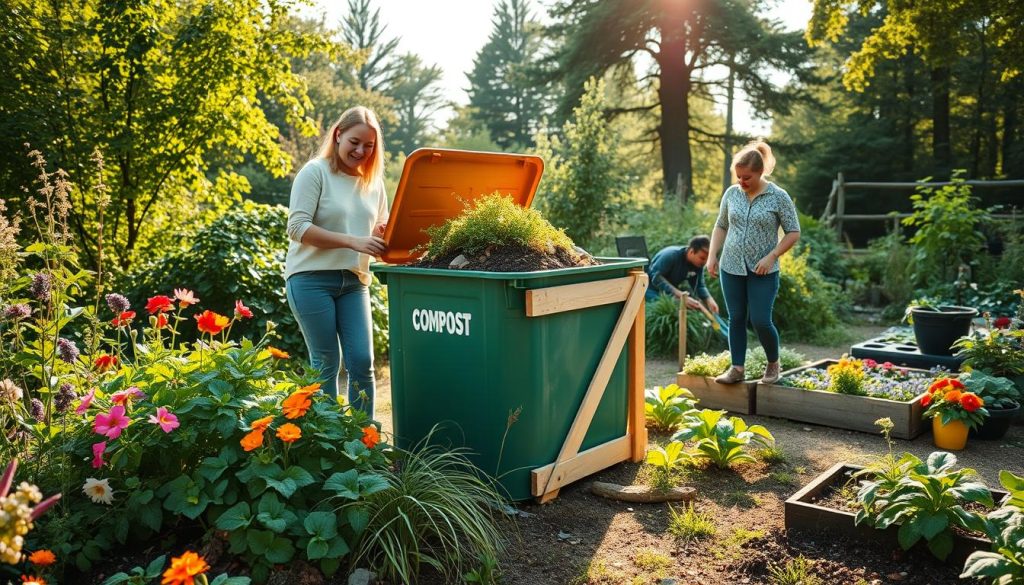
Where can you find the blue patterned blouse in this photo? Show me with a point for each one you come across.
(752, 227)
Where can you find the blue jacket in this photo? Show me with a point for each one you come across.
(671, 263)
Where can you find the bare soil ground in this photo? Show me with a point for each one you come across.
(581, 538)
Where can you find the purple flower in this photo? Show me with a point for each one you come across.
(17, 312)
(42, 282)
(64, 397)
(118, 303)
(66, 350)
(37, 410)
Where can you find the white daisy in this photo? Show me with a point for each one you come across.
(99, 490)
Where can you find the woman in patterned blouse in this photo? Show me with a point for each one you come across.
(747, 235)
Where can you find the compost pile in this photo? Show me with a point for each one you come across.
(497, 235)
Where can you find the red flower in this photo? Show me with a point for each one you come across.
(971, 401)
(161, 321)
(926, 400)
(105, 362)
(124, 318)
(210, 322)
(241, 311)
(956, 384)
(1001, 322)
(159, 304)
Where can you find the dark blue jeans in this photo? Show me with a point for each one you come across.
(333, 306)
(751, 296)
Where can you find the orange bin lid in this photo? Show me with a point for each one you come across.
(436, 183)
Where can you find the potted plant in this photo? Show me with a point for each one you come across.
(999, 351)
(1001, 398)
(954, 411)
(937, 327)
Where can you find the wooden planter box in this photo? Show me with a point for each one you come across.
(737, 398)
(804, 515)
(842, 411)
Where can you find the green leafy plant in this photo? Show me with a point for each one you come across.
(947, 223)
(795, 572)
(152, 572)
(996, 392)
(723, 440)
(880, 478)
(494, 220)
(690, 525)
(999, 352)
(712, 365)
(662, 330)
(928, 502)
(666, 408)
(666, 460)
(948, 399)
(1004, 563)
(436, 510)
(707, 365)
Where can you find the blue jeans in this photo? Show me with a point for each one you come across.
(332, 306)
(754, 296)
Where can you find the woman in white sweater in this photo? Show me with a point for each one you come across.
(336, 217)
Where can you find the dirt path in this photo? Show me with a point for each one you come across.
(580, 538)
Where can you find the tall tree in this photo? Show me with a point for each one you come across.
(363, 31)
(160, 89)
(504, 95)
(418, 97)
(684, 40)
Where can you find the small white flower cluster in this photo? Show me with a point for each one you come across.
(16, 521)
(99, 490)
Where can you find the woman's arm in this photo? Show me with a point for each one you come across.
(318, 237)
(717, 239)
(765, 264)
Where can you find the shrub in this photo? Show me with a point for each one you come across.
(241, 256)
(823, 250)
(808, 306)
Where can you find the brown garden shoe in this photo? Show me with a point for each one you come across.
(771, 373)
(733, 375)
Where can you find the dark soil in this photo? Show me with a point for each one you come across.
(513, 258)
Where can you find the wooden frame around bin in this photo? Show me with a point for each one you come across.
(571, 465)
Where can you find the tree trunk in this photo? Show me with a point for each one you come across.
(674, 129)
(941, 147)
(1009, 147)
(727, 142)
(910, 112)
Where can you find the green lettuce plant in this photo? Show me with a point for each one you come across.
(723, 440)
(667, 407)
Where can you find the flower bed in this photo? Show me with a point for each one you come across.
(849, 394)
(699, 373)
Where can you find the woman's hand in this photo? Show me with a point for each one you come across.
(765, 264)
(378, 230)
(712, 266)
(372, 245)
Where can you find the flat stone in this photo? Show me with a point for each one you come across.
(361, 577)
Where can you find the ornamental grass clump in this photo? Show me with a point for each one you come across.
(494, 220)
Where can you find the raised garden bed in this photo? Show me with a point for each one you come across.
(737, 398)
(802, 513)
(843, 411)
(902, 353)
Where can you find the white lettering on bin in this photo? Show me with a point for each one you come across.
(435, 321)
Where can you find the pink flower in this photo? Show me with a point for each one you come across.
(123, 396)
(904, 372)
(167, 421)
(111, 424)
(185, 297)
(887, 365)
(83, 406)
(241, 311)
(870, 363)
(97, 454)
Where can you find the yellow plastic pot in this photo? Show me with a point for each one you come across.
(952, 436)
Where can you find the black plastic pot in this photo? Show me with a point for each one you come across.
(997, 423)
(937, 329)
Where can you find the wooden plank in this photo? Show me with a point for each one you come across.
(570, 297)
(738, 398)
(682, 335)
(635, 364)
(909, 185)
(553, 476)
(585, 414)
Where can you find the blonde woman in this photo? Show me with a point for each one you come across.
(747, 236)
(336, 217)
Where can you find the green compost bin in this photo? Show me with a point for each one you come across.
(464, 355)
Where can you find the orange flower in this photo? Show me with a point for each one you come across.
(210, 322)
(289, 433)
(926, 399)
(253, 440)
(952, 396)
(183, 569)
(971, 401)
(938, 385)
(43, 558)
(957, 384)
(277, 353)
(27, 580)
(261, 424)
(124, 318)
(299, 403)
(370, 436)
(105, 362)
